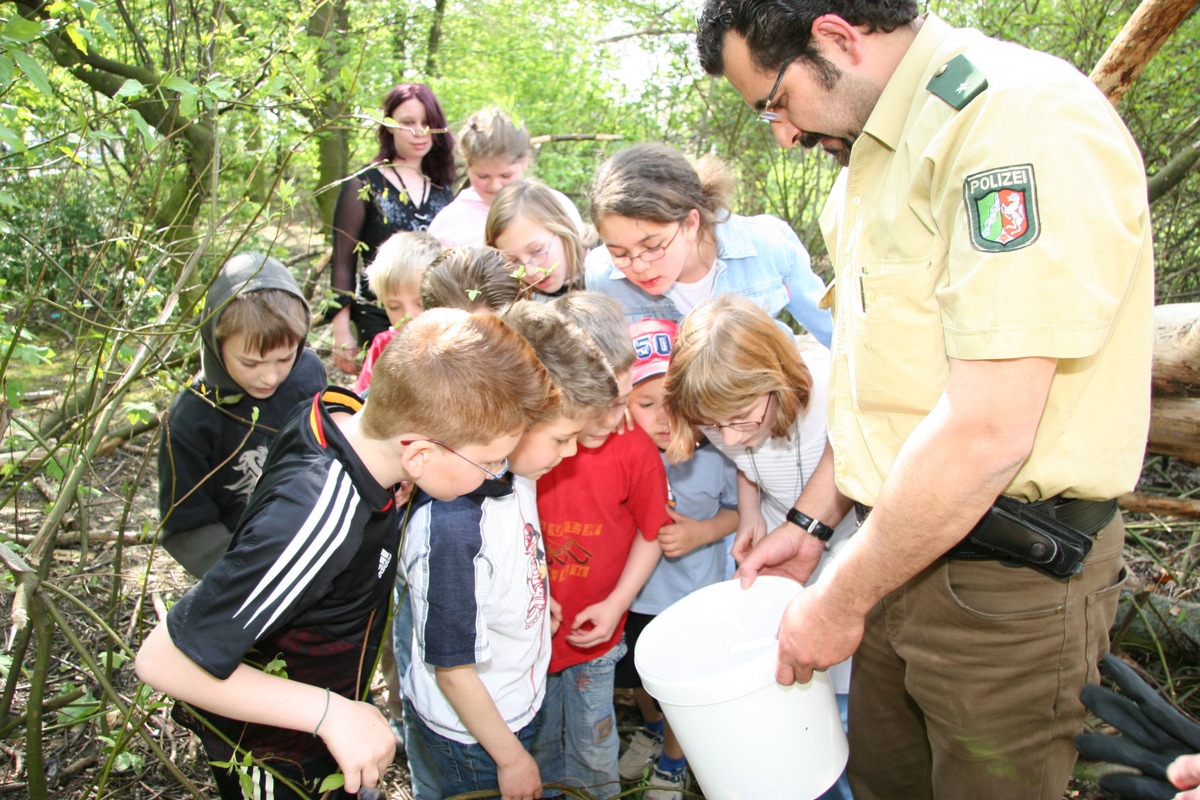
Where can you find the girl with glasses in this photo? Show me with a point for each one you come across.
(402, 189)
(672, 243)
(531, 223)
(760, 399)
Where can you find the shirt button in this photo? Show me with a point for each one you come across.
(856, 201)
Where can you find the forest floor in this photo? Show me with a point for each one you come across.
(130, 585)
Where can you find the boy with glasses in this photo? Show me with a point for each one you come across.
(304, 587)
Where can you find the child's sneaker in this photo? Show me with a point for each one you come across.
(664, 785)
(644, 747)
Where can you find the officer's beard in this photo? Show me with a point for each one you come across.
(836, 146)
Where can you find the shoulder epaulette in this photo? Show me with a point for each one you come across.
(957, 82)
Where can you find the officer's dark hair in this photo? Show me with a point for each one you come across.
(778, 31)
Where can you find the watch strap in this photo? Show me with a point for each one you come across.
(814, 526)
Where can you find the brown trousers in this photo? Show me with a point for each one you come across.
(967, 681)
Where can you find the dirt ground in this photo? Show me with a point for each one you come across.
(75, 747)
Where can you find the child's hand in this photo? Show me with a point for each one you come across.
(751, 530)
(360, 740)
(594, 625)
(519, 780)
(681, 537)
(555, 616)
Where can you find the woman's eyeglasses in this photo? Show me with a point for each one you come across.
(493, 469)
(417, 130)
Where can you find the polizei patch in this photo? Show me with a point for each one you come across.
(1002, 207)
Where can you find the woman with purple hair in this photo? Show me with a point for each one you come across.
(402, 189)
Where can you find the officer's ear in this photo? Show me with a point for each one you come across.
(838, 41)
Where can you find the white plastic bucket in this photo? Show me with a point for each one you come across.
(709, 660)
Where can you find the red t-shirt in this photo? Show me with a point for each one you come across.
(591, 507)
(373, 352)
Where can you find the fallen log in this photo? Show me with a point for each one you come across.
(1175, 427)
(1176, 368)
(1152, 621)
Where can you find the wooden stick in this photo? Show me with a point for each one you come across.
(1151, 24)
(1142, 503)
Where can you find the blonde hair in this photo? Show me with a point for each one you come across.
(491, 134)
(602, 318)
(268, 318)
(575, 363)
(457, 377)
(656, 183)
(471, 278)
(399, 262)
(536, 201)
(728, 353)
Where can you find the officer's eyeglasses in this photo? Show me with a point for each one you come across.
(767, 115)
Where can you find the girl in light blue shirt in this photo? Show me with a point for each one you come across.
(672, 243)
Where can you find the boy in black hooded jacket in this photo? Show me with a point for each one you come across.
(255, 368)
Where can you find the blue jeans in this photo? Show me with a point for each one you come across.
(459, 767)
(576, 740)
(421, 767)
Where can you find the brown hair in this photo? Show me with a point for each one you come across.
(471, 278)
(656, 183)
(575, 363)
(268, 318)
(728, 353)
(457, 377)
(400, 261)
(602, 318)
(438, 163)
(535, 200)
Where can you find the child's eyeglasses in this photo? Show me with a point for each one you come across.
(745, 424)
(538, 257)
(647, 256)
(493, 469)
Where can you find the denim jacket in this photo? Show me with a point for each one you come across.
(758, 257)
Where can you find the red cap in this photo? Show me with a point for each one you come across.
(653, 340)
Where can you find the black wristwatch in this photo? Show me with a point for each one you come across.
(814, 526)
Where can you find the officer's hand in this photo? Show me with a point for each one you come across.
(1151, 733)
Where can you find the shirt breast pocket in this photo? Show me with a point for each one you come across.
(898, 348)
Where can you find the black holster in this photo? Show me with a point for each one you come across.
(1053, 535)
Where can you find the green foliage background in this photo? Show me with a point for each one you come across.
(142, 143)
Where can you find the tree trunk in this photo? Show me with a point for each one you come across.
(1176, 368)
(329, 22)
(435, 38)
(1151, 24)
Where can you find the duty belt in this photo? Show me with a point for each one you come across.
(1052, 535)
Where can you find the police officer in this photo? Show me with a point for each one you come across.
(993, 301)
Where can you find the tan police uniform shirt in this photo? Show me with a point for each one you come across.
(1015, 227)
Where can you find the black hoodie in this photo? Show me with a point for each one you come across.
(211, 451)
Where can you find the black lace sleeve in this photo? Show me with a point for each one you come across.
(349, 216)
